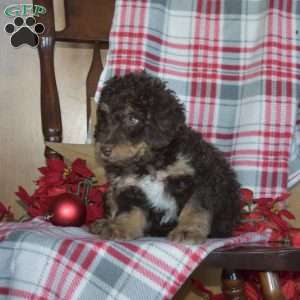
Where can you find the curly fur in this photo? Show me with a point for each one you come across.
(165, 179)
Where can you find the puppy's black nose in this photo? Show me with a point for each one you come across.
(106, 150)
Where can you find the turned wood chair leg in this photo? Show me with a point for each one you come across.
(270, 286)
(232, 285)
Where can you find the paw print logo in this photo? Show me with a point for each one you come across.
(24, 32)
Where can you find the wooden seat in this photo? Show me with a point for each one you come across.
(90, 22)
(257, 257)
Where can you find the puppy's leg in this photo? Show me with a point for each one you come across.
(126, 214)
(125, 226)
(193, 226)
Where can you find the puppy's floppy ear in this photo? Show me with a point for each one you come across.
(164, 121)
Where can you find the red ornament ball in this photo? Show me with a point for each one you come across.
(67, 210)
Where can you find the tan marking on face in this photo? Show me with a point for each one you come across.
(126, 226)
(193, 225)
(122, 152)
(127, 151)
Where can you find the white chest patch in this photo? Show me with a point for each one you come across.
(158, 199)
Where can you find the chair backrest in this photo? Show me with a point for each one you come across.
(86, 22)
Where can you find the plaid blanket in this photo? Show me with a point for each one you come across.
(42, 261)
(235, 66)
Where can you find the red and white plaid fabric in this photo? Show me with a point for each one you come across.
(234, 65)
(42, 261)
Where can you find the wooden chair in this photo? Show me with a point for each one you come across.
(90, 22)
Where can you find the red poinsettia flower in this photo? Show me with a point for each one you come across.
(260, 214)
(56, 179)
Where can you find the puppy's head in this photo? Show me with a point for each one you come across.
(136, 114)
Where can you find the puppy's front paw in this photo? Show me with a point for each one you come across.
(182, 234)
(98, 226)
(110, 230)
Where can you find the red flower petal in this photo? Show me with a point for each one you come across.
(253, 216)
(34, 211)
(56, 190)
(251, 292)
(294, 234)
(5, 213)
(287, 214)
(93, 213)
(247, 195)
(24, 196)
(104, 187)
(283, 225)
(79, 167)
(289, 290)
(296, 240)
(95, 206)
(54, 178)
(43, 170)
(283, 197)
(56, 165)
(3, 209)
(264, 202)
(51, 179)
(245, 227)
(95, 196)
(40, 206)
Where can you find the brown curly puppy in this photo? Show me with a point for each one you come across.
(165, 179)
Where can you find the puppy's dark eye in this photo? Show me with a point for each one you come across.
(132, 120)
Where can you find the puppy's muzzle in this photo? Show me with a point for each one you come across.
(106, 150)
